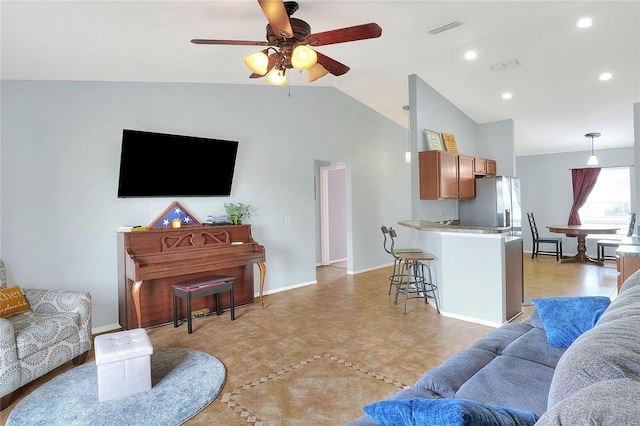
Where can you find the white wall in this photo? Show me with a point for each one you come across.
(59, 174)
(337, 209)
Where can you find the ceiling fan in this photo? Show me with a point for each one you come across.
(288, 40)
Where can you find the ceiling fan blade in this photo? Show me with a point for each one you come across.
(273, 60)
(231, 42)
(333, 66)
(277, 16)
(342, 35)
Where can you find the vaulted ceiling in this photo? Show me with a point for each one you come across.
(549, 65)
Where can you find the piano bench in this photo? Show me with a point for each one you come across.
(201, 287)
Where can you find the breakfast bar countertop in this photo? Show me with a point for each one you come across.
(424, 225)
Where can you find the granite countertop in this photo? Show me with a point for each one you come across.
(423, 225)
(628, 250)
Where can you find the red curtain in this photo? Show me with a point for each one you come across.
(583, 182)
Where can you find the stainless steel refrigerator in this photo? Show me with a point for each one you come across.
(497, 203)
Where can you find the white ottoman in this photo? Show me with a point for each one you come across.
(124, 363)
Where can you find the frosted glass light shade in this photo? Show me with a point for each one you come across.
(593, 160)
(257, 62)
(303, 57)
(277, 77)
(315, 72)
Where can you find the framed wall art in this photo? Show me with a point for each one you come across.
(433, 140)
(450, 142)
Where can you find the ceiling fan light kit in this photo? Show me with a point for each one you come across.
(276, 76)
(257, 62)
(290, 38)
(303, 57)
(315, 72)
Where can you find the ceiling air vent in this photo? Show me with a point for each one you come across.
(445, 28)
(506, 65)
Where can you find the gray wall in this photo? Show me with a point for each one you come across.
(430, 110)
(546, 189)
(59, 174)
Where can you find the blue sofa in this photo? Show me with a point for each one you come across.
(596, 380)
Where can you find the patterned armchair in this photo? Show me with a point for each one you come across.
(56, 330)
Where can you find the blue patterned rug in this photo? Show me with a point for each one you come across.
(183, 382)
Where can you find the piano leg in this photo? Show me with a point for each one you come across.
(263, 272)
(135, 292)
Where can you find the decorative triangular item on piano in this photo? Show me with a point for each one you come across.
(174, 212)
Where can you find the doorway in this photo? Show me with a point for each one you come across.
(333, 215)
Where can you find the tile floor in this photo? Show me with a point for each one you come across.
(317, 354)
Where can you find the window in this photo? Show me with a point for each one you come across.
(610, 200)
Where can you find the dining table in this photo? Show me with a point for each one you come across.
(581, 232)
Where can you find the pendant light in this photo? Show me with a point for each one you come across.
(407, 154)
(593, 160)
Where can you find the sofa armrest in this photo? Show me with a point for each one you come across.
(54, 301)
(9, 369)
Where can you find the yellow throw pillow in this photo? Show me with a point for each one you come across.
(12, 301)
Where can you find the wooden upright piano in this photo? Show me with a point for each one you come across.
(151, 261)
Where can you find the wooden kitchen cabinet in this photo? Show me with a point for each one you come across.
(484, 167)
(491, 167)
(466, 178)
(480, 166)
(445, 175)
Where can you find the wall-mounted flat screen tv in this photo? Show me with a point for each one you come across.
(164, 165)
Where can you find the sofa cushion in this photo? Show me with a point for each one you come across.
(502, 337)
(566, 318)
(533, 320)
(611, 350)
(610, 402)
(510, 382)
(35, 330)
(446, 379)
(533, 346)
(632, 281)
(446, 412)
(622, 307)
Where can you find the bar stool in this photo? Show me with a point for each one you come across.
(395, 277)
(412, 279)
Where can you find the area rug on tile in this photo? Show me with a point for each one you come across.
(183, 382)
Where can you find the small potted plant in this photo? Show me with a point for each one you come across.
(236, 212)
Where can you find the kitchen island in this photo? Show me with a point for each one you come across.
(478, 269)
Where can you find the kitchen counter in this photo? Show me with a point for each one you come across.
(478, 269)
(423, 225)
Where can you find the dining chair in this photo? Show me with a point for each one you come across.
(556, 241)
(601, 244)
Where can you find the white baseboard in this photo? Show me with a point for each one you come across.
(470, 319)
(280, 289)
(105, 328)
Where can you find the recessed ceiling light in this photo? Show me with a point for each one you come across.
(605, 76)
(470, 55)
(584, 23)
(507, 95)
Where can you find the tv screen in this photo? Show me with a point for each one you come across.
(164, 165)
